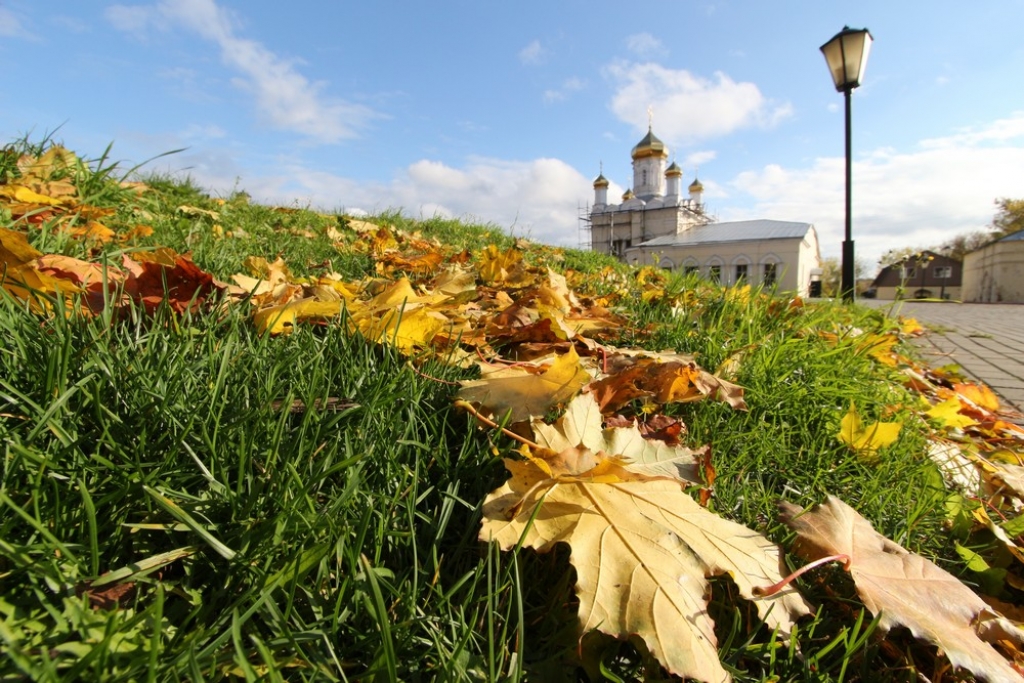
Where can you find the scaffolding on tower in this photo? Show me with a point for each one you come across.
(584, 234)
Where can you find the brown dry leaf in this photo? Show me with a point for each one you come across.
(419, 263)
(525, 394)
(182, 284)
(641, 546)
(903, 588)
(662, 377)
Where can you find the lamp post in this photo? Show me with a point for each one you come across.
(847, 56)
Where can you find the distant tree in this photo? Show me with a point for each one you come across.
(894, 256)
(832, 274)
(963, 244)
(1009, 217)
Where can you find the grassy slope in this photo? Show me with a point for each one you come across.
(347, 538)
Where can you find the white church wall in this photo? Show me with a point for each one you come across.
(792, 274)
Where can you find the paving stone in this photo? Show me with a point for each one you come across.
(985, 340)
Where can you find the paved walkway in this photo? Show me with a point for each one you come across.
(985, 340)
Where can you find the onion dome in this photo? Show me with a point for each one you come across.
(600, 181)
(673, 171)
(695, 186)
(650, 146)
(627, 195)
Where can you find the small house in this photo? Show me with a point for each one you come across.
(924, 275)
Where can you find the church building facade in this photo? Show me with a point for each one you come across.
(656, 224)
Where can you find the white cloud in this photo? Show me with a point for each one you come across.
(645, 45)
(532, 54)
(284, 97)
(695, 159)
(569, 85)
(537, 198)
(11, 26)
(688, 108)
(999, 131)
(918, 198)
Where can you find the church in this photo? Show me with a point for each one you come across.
(657, 225)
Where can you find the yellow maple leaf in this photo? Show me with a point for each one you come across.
(408, 330)
(20, 193)
(881, 348)
(92, 230)
(641, 546)
(947, 413)
(497, 267)
(524, 394)
(281, 319)
(15, 249)
(867, 440)
(910, 326)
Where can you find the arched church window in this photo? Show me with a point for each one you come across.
(644, 181)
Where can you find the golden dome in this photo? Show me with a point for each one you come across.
(650, 146)
(673, 171)
(600, 181)
(627, 195)
(695, 186)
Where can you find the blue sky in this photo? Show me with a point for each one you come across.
(504, 112)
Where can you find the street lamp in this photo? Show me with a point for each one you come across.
(847, 56)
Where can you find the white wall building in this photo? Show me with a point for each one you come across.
(995, 273)
(655, 224)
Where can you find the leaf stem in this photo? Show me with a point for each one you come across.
(494, 425)
(775, 588)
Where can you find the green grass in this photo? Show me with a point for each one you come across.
(338, 542)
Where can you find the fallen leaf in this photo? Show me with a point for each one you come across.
(580, 425)
(281, 319)
(92, 230)
(867, 440)
(902, 588)
(407, 329)
(642, 549)
(978, 394)
(947, 413)
(958, 471)
(182, 284)
(523, 394)
(15, 249)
